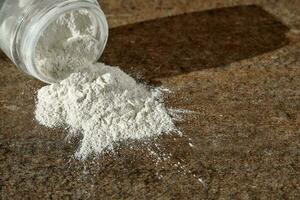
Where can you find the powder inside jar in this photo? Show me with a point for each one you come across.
(68, 45)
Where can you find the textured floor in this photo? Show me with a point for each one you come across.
(237, 68)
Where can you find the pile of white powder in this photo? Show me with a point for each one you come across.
(105, 106)
(99, 102)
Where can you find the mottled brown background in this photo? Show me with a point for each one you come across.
(237, 68)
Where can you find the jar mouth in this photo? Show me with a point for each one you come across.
(32, 32)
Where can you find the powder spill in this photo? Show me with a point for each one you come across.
(106, 106)
(101, 103)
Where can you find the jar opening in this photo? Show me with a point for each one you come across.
(67, 38)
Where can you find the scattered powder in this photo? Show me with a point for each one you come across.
(106, 106)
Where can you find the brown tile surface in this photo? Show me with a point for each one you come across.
(120, 12)
(245, 129)
(247, 126)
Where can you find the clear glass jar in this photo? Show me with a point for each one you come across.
(22, 23)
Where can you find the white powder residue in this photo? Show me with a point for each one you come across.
(105, 106)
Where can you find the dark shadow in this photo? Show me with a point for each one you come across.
(2, 55)
(194, 41)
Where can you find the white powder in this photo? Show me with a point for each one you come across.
(99, 102)
(67, 45)
(105, 106)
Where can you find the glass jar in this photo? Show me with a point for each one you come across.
(22, 22)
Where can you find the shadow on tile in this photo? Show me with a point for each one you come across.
(195, 41)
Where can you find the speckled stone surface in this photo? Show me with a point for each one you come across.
(241, 142)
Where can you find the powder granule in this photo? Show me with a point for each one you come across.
(106, 106)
